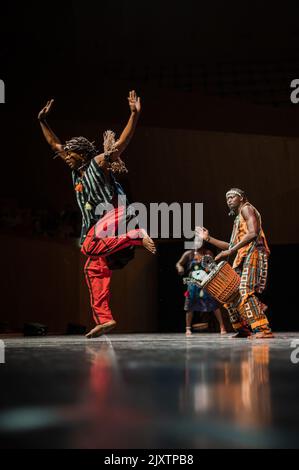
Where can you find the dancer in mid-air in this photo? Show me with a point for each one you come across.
(104, 209)
(248, 242)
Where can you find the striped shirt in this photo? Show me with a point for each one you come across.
(95, 192)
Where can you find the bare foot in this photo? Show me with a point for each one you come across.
(262, 335)
(223, 331)
(188, 332)
(148, 243)
(100, 330)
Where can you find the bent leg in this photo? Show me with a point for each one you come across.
(93, 246)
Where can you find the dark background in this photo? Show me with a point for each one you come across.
(215, 85)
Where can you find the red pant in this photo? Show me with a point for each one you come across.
(101, 242)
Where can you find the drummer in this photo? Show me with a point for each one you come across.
(249, 244)
(197, 300)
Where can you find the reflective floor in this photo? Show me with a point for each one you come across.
(150, 391)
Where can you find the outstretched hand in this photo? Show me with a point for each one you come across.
(134, 102)
(46, 110)
(202, 233)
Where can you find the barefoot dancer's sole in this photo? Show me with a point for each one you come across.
(148, 243)
(101, 330)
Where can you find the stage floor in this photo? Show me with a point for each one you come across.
(150, 391)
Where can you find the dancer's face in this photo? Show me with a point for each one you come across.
(234, 201)
(74, 160)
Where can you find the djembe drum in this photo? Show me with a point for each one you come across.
(222, 282)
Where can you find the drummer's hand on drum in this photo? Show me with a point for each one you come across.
(202, 233)
(223, 255)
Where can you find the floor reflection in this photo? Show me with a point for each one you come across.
(111, 417)
(149, 391)
(104, 372)
(237, 388)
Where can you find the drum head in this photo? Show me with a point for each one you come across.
(199, 275)
(213, 273)
(196, 275)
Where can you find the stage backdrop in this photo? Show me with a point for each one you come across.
(169, 165)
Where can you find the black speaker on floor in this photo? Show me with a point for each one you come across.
(35, 329)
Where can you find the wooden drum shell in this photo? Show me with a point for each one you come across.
(222, 283)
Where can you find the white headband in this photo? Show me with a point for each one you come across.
(234, 193)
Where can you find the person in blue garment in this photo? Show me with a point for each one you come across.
(197, 300)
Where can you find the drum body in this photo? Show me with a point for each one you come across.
(222, 283)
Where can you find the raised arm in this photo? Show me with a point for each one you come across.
(49, 135)
(181, 264)
(128, 132)
(121, 144)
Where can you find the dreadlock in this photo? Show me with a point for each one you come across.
(82, 146)
(118, 166)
